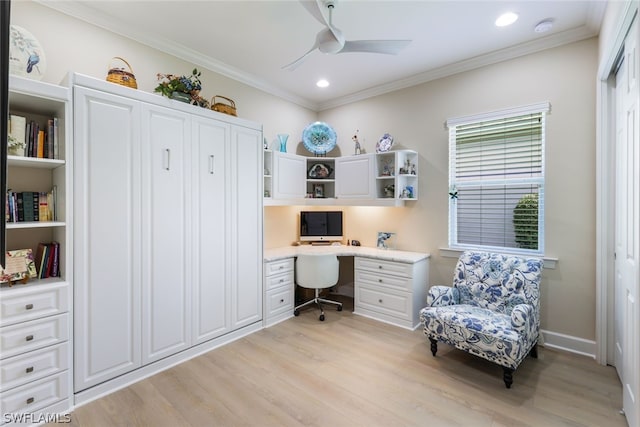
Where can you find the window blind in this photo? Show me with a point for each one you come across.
(496, 174)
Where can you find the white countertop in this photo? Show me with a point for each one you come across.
(275, 254)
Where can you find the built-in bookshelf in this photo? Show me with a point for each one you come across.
(38, 175)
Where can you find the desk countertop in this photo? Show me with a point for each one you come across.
(275, 254)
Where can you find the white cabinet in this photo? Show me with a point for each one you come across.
(211, 301)
(279, 290)
(289, 172)
(166, 279)
(397, 175)
(107, 223)
(35, 332)
(390, 291)
(355, 177)
(169, 219)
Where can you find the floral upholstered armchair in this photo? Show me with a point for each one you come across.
(492, 310)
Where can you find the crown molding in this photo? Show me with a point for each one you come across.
(555, 40)
(85, 13)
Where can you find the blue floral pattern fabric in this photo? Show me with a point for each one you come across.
(492, 310)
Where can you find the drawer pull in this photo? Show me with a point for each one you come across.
(380, 280)
(281, 301)
(380, 301)
(380, 267)
(29, 338)
(30, 400)
(281, 280)
(28, 306)
(281, 267)
(29, 369)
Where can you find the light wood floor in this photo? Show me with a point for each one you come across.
(353, 371)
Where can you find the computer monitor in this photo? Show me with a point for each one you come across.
(319, 226)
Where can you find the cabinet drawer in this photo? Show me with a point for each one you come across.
(280, 266)
(35, 395)
(382, 301)
(32, 303)
(388, 267)
(279, 301)
(366, 277)
(34, 365)
(33, 335)
(279, 280)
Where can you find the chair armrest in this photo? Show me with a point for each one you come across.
(442, 295)
(523, 319)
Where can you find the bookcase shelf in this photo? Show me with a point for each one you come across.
(35, 224)
(34, 162)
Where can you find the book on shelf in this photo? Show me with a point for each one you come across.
(47, 260)
(40, 140)
(31, 206)
(18, 129)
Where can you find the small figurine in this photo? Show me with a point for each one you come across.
(355, 140)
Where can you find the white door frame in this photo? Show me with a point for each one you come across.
(605, 168)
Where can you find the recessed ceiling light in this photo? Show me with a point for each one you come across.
(322, 83)
(544, 26)
(506, 19)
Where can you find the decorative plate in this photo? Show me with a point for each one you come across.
(385, 143)
(319, 138)
(319, 171)
(26, 56)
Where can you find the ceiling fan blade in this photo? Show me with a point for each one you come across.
(295, 64)
(315, 7)
(389, 47)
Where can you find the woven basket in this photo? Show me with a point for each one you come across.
(121, 76)
(226, 108)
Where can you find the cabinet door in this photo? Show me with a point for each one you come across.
(289, 176)
(354, 177)
(165, 232)
(245, 196)
(211, 300)
(106, 240)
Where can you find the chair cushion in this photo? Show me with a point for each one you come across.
(478, 330)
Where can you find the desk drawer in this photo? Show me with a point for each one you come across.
(33, 302)
(279, 280)
(36, 395)
(276, 267)
(387, 267)
(372, 298)
(279, 301)
(366, 277)
(33, 335)
(34, 365)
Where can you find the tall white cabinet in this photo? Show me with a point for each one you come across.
(168, 220)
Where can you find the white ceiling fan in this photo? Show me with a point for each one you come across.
(330, 40)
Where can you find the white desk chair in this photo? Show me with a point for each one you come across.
(317, 272)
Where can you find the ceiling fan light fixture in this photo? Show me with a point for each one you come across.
(322, 83)
(506, 19)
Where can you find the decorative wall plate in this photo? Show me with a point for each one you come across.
(319, 138)
(26, 56)
(319, 171)
(385, 143)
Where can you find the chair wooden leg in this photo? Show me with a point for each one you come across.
(434, 346)
(534, 351)
(507, 376)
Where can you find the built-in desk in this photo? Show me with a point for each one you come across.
(389, 285)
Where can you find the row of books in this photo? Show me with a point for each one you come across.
(48, 260)
(27, 206)
(31, 139)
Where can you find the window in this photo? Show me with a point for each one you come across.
(496, 180)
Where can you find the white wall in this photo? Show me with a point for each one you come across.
(563, 76)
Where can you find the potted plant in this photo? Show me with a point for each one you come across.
(182, 88)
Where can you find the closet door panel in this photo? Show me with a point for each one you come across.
(166, 279)
(106, 239)
(246, 226)
(211, 314)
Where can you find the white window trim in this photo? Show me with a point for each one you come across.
(541, 107)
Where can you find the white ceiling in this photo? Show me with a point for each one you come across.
(251, 41)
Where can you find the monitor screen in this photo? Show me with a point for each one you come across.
(320, 226)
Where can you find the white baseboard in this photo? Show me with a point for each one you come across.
(568, 343)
